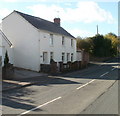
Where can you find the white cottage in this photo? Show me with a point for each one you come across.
(5, 45)
(36, 40)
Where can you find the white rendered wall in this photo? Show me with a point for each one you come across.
(0, 45)
(57, 47)
(0, 40)
(24, 38)
(79, 56)
(4, 46)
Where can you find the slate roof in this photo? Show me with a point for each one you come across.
(40, 23)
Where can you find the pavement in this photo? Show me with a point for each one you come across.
(23, 78)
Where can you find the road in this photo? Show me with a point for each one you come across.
(93, 90)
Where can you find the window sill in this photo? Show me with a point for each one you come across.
(51, 45)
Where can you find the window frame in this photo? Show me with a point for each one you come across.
(45, 60)
(71, 42)
(68, 57)
(63, 40)
(63, 56)
(51, 40)
(51, 55)
(72, 57)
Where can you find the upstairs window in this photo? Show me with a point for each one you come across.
(51, 39)
(63, 40)
(72, 42)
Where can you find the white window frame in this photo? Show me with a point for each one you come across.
(45, 60)
(63, 40)
(71, 42)
(72, 57)
(63, 57)
(51, 55)
(51, 40)
(68, 57)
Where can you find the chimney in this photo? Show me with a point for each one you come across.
(57, 21)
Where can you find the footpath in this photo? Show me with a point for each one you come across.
(23, 78)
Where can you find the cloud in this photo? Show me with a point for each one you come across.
(46, 12)
(4, 12)
(86, 12)
(58, 0)
(24, 1)
(80, 32)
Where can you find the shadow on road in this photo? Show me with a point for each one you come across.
(14, 98)
(97, 70)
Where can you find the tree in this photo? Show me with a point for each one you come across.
(101, 46)
(84, 44)
(115, 42)
(6, 59)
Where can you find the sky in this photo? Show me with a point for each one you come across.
(78, 17)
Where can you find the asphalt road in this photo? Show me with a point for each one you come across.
(90, 91)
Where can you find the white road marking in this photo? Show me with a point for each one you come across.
(39, 106)
(86, 84)
(104, 74)
(113, 68)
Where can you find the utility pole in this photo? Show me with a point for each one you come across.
(97, 30)
(57, 14)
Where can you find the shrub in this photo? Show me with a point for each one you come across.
(6, 59)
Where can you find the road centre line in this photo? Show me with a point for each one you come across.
(85, 84)
(39, 106)
(60, 96)
(104, 74)
(91, 81)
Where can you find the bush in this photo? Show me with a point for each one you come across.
(6, 59)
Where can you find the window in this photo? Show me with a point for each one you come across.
(71, 57)
(63, 40)
(51, 39)
(63, 57)
(51, 55)
(68, 57)
(45, 57)
(72, 42)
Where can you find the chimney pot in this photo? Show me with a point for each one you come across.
(57, 21)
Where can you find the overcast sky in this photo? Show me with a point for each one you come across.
(79, 17)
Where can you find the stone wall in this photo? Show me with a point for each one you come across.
(53, 68)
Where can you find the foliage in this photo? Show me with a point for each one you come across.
(115, 42)
(6, 59)
(84, 44)
(99, 45)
